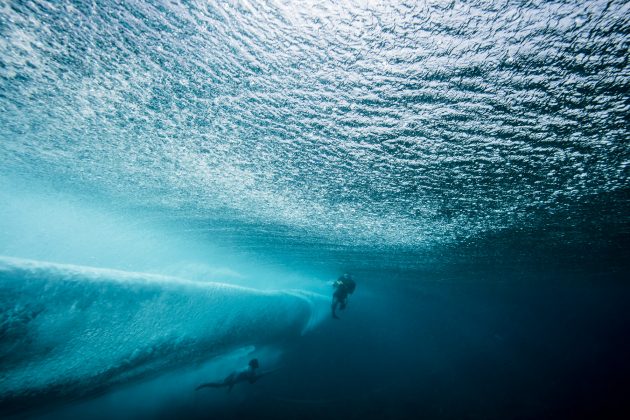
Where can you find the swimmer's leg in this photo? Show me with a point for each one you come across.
(343, 304)
(334, 308)
(227, 382)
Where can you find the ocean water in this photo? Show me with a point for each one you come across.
(182, 181)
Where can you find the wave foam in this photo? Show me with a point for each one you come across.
(70, 331)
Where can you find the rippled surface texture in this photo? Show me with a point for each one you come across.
(467, 161)
(406, 123)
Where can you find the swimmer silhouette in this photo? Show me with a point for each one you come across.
(344, 286)
(247, 374)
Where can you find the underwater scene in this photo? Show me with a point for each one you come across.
(318, 209)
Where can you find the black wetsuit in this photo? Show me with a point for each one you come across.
(340, 296)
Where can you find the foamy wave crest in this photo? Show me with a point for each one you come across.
(71, 331)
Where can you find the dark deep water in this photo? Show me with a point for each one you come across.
(467, 352)
(180, 183)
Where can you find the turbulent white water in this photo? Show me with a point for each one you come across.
(69, 331)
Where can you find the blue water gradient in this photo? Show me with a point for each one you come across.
(181, 181)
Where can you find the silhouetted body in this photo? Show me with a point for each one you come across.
(247, 374)
(344, 286)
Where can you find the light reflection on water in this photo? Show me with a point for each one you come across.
(407, 124)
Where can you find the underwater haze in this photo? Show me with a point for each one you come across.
(181, 182)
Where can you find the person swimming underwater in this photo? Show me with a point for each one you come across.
(247, 374)
(344, 286)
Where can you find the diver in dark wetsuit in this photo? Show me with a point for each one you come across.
(344, 286)
(244, 375)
